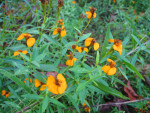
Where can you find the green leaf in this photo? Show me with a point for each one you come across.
(24, 56)
(136, 39)
(85, 36)
(81, 86)
(97, 58)
(45, 103)
(15, 79)
(105, 44)
(77, 30)
(79, 70)
(56, 102)
(123, 73)
(109, 90)
(12, 104)
(133, 69)
(32, 96)
(14, 93)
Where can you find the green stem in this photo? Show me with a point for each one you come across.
(60, 52)
(30, 60)
(36, 13)
(49, 8)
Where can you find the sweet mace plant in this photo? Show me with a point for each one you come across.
(54, 61)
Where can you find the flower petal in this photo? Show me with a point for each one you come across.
(30, 42)
(89, 14)
(55, 32)
(111, 40)
(3, 92)
(25, 52)
(106, 68)
(63, 84)
(63, 33)
(112, 71)
(118, 48)
(94, 15)
(43, 87)
(37, 83)
(88, 41)
(96, 46)
(69, 62)
(7, 95)
(111, 61)
(86, 49)
(16, 53)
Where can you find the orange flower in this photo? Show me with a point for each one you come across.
(29, 39)
(133, 2)
(73, 2)
(71, 60)
(87, 109)
(30, 80)
(4, 92)
(39, 83)
(56, 85)
(91, 42)
(110, 69)
(80, 49)
(61, 22)
(91, 14)
(16, 53)
(60, 3)
(114, 1)
(61, 31)
(117, 45)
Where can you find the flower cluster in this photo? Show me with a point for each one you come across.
(56, 85)
(86, 109)
(4, 92)
(91, 14)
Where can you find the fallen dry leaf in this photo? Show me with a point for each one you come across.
(131, 93)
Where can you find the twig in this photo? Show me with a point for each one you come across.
(136, 48)
(26, 108)
(110, 104)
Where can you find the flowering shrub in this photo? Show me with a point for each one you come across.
(72, 55)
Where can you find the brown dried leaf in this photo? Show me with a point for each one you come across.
(131, 93)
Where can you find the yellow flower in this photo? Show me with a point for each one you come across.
(91, 42)
(73, 2)
(71, 60)
(56, 85)
(16, 53)
(86, 109)
(91, 14)
(61, 22)
(117, 45)
(61, 31)
(29, 39)
(4, 92)
(39, 83)
(80, 49)
(110, 69)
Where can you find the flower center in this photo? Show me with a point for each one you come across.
(58, 82)
(92, 42)
(117, 42)
(70, 57)
(111, 64)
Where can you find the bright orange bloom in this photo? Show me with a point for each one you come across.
(4, 92)
(73, 2)
(114, 1)
(110, 69)
(71, 60)
(87, 109)
(61, 22)
(16, 53)
(80, 49)
(61, 31)
(133, 2)
(117, 45)
(56, 85)
(39, 83)
(91, 14)
(29, 39)
(91, 42)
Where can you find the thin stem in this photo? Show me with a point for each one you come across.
(36, 13)
(60, 52)
(30, 60)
